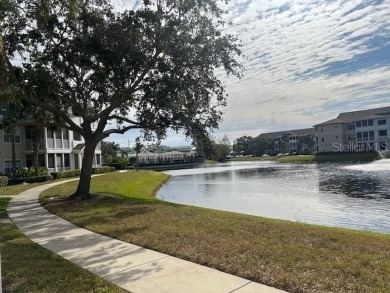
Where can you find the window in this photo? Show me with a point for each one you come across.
(57, 132)
(67, 160)
(382, 122)
(382, 132)
(65, 134)
(359, 136)
(59, 160)
(337, 137)
(50, 133)
(352, 137)
(8, 166)
(365, 123)
(371, 135)
(322, 139)
(350, 126)
(50, 158)
(8, 136)
(28, 132)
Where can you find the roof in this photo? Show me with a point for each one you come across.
(295, 132)
(348, 117)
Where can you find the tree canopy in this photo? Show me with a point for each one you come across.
(151, 68)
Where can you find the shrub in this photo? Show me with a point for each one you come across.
(132, 160)
(103, 169)
(30, 172)
(117, 166)
(76, 173)
(3, 181)
(66, 174)
(33, 179)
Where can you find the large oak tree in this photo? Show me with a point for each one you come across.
(153, 68)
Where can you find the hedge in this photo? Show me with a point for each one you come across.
(103, 169)
(3, 181)
(66, 174)
(34, 179)
(76, 173)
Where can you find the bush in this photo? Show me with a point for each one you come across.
(76, 173)
(117, 166)
(3, 181)
(34, 179)
(30, 172)
(66, 174)
(102, 169)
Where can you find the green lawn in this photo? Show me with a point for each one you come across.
(27, 267)
(3, 207)
(291, 256)
(16, 189)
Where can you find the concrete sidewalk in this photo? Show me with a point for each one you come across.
(129, 266)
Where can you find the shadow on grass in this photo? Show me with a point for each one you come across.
(27, 267)
(3, 207)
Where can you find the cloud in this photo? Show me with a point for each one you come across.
(306, 61)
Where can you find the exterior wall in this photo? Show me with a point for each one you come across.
(57, 151)
(329, 137)
(6, 151)
(374, 137)
(371, 134)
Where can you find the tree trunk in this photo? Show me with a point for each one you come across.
(136, 161)
(13, 152)
(83, 189)
(36, 146)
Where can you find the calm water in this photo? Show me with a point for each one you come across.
(351, 196)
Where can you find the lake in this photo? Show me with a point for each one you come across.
(340, 195)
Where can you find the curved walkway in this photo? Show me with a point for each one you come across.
(131, 267)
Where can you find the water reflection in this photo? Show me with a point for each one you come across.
(358, 185)
(326, 194)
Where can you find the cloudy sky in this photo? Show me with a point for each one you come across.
(305, 61)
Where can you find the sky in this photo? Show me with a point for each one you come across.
(305, 62)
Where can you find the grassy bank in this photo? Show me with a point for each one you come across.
(318, 158)
(291, 256)
(27, 267)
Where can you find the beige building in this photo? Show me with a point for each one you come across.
(365, 130)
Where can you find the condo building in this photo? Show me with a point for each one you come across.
(291, 141)
(59, 149)
(365, 130)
